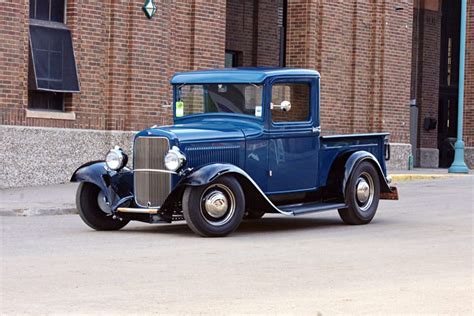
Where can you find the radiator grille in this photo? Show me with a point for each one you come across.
(151, 187)
(201, 155)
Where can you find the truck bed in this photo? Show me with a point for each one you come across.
(333, 145)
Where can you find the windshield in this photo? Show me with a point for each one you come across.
(219, 98)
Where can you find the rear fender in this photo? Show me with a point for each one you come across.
(354, 160)
(343, 167)
(208, 173)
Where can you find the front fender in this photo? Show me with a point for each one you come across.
(117, 186)
(93, 172)
(208, 173)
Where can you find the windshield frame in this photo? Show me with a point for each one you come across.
(260, 118)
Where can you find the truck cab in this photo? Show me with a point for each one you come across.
(244, 142)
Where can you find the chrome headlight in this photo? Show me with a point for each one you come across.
(116, 158)
(174, 159)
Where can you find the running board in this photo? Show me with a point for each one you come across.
(305, 208)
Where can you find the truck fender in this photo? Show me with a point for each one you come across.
(354, 160)
(117, 186)
(208, 173)
(93, 172)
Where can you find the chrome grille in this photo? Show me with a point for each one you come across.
(151, 187)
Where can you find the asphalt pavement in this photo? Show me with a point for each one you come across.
(416, 257)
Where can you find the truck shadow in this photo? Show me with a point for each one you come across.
(259, 226)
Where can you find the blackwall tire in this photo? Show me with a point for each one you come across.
(215, 209)
(362, 195)
(90, 212)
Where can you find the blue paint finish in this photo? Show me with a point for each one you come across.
(299, 158)
(239, 75)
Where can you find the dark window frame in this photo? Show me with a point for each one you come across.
(59, 16)
(236, 58)
(40, 98)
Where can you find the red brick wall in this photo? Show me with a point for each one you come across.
(363, 52)
(252, 28)
(13, 61)
(469, 79)
(125, 61)
(428, 74)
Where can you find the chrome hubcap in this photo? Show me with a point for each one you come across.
(218, 205)
(102, 202)
(364, 191)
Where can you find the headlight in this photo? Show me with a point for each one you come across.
(116, 158)
(174, 159)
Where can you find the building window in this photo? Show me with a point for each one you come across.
(232, 59)
(47, 10)
(52, 71)
(46, 100)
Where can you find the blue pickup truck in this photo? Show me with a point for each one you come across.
(244, 142)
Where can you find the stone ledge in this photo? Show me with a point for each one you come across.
(54, 115)
(427, 158)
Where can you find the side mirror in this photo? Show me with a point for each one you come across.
(285, 106)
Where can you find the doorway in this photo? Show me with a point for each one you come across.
(448, 80)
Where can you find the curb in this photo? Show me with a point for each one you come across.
(39, 211)
(412, 177)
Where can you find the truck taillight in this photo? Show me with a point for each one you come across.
(386, 149)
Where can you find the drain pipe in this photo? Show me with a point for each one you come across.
(459, 166)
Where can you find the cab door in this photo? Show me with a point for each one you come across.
(293, 136)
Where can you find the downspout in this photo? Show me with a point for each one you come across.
(459, 166)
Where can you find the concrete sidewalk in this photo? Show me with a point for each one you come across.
(59, 199)
(54, 199)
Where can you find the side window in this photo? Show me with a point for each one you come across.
(290, 102)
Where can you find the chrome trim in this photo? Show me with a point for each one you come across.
(155, 170)
(218, 206)
(365, 191)
(119, 152)
(179, 154)
(138, 210)
(265, 196)
(152, 189)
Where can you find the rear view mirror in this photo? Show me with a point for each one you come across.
(285, 106)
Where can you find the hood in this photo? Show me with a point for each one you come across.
(216, 129)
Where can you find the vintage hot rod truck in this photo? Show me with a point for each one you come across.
(244, 142)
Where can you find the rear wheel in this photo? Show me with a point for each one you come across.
(94, 211)
(215, 209)
(362, 195)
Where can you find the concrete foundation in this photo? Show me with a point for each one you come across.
(427, 158)
(38, 156)
(469, 157)
(399, 155)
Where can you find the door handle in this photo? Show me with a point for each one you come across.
(316, 129)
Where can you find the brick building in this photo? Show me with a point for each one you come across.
(115, 66)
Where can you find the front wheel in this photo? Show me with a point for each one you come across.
(90, 202)
(215, 209)
(362, 195)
